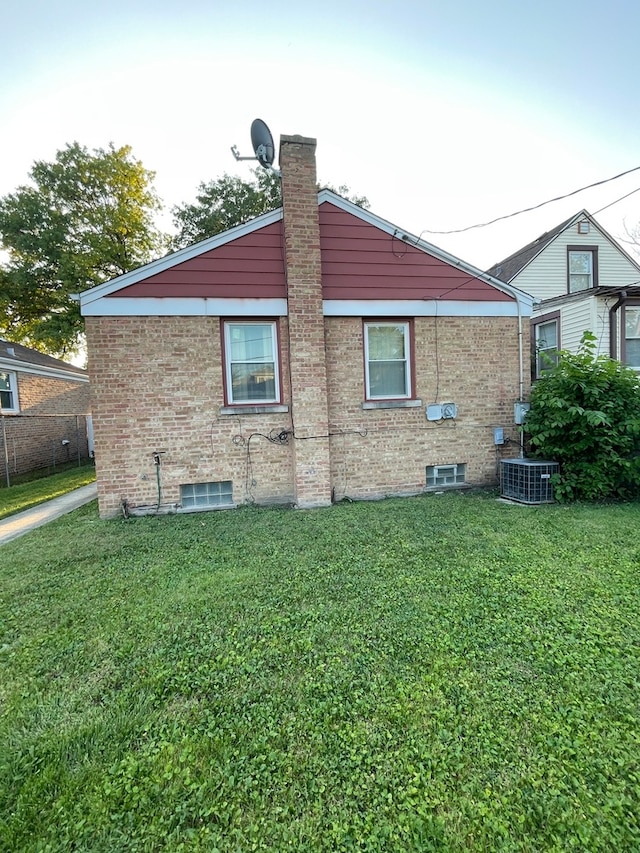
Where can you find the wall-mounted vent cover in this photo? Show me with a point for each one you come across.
(441, 411)
(527, 481)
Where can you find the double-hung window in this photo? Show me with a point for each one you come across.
(632, 335)
(387, 360)
(8, 391)
(546, 343)
(251, 362)
(582, 268)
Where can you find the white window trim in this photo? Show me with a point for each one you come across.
(538, 349)
(13, 389)
(591, 273)
(407, 359)
(633, 308)
(228, 363)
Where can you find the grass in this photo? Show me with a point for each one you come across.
(24, 495)
(442, 673)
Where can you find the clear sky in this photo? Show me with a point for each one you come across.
(444, 114)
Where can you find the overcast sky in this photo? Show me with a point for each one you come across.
(444, 114)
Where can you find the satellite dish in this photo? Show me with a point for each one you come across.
(262, 142)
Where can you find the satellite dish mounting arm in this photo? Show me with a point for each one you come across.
(236, 154)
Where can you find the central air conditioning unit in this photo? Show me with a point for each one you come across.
(527, 481)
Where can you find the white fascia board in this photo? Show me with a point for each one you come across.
(39, 370)
(608, 237)
(424, 246)
(179, 257)
(150, 306)
(195, 307)
(419, 308)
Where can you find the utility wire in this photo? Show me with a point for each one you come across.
(535, 206)
(637, 190)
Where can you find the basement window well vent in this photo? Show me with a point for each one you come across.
(443, 476)
(206, 495)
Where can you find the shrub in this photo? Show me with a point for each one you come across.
(585, 414)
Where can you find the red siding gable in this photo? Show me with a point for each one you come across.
(360, 261)
(252, 266)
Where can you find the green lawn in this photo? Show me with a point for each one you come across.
(445, 673)
(27, 494)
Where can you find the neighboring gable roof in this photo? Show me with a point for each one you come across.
(512, 266)
(20, 358)
(363, 257)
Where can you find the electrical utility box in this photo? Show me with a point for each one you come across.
(527, 481)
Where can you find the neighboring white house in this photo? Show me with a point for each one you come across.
(581, 279)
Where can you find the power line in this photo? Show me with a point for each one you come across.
(535, 206)
(622, 197)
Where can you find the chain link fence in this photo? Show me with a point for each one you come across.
(36, 442)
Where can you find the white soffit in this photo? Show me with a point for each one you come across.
(197, 307)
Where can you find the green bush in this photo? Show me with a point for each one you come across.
(585, 414)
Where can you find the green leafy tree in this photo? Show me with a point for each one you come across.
(585, 414)
(224, 203)
(87, 217)
(229, 201)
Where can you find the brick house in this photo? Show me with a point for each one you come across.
(314, 353)
(581, 280)
(44, 404)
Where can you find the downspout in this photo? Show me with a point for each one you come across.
(516, 296)
(6, 452)
(613, 325)
(520, 369)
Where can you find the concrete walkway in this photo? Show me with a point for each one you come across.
(22, 522)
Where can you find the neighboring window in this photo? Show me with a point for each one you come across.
(251, 362)
(8, 391)
(582, 269)
(583, 226)
(546, 343)
(439, 476)
(204, 495)
(387, 363)
(632, 336)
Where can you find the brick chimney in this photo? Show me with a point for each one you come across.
(309, 409)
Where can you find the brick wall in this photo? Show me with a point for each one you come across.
(157, 387)
(472, 362)
(42, 395)
(51, 411)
